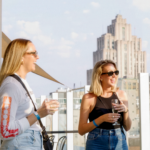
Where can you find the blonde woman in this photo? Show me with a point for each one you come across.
(97, 107)
(19, 127)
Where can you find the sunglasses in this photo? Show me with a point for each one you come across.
(111, 73)
(33, 53)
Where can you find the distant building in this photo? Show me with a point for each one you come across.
(119, 45)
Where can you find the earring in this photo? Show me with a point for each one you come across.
(21, 62)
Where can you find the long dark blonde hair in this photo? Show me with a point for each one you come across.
(12, 57)
(96, 87)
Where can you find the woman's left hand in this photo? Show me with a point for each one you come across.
(120, 107)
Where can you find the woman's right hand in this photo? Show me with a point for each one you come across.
(48, 108)
(110, 117)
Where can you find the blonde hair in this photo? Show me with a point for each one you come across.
(12, 57)
(96, 87)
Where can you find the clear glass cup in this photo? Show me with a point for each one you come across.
(48, 99)
(115, 101)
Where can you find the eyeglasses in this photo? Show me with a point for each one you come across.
(33, 53)
(111, 73)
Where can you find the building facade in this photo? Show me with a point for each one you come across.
(119, 45)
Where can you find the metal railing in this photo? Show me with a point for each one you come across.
(62, 141)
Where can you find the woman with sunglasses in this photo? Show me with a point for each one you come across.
(18, 120)
(96, 107)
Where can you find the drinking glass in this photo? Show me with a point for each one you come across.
(115, 101)
(48, 99)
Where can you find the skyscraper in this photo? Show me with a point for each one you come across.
(119, 45)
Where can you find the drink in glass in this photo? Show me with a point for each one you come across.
(115, 101)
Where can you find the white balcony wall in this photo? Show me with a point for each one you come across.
(55, 121)
(70, 120)
(144, 111)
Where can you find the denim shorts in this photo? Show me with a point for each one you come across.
(29, 140)
(102, 139)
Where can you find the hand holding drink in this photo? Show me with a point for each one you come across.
(49, 107)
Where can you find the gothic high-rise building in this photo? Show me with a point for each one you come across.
(125, 49)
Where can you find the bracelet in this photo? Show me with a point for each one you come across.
(95, 123)
(36, 115)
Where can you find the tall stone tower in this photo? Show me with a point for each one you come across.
(119, 45)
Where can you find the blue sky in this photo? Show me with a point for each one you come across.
(65, 33)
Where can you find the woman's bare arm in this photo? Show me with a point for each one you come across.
(85, 127)
(126, 118)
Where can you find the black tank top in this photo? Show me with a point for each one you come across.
(103, 106)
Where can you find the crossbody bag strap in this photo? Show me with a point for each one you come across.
(19, 80)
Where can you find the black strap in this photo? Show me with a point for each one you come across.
(19, 80)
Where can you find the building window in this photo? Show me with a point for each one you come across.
(112, 31)
(108, 44)
(123, 33)
(138, 45)
(124, 85)
(141, 68)
(134, 85)
(125, 64)
(129, 85)
(113, 46)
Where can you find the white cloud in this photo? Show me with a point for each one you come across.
(95, 4)
(86, 11)
(84, 37)
(63, 48)
(81, 36)
(23, 34)
(64, 51)
(77, 53)
(7, 28)
(67, 12)
(74, 35)
(66, 42)
(144, 44)
(44, 39)
(143, 5)
(91, 33)
(29, 27)
(146, 21)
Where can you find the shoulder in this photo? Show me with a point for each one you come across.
(88, 98)
(10, 85)
(122, 94)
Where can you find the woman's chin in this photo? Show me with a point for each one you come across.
(112, 84)
(33, 69)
